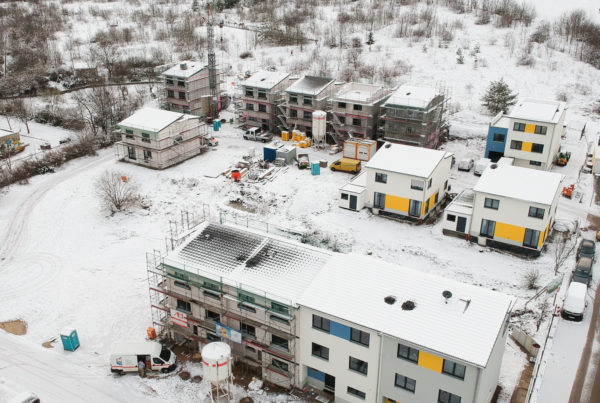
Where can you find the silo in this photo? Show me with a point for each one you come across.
(319, 124)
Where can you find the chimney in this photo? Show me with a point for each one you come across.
(183, 66)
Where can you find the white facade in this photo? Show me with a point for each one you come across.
(352, 194)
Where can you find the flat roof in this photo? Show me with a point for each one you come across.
(359, 92)
(538, 110)
(408, 95)
(310, 85)
(151, 119)
(192, 68)
(265, 79)
(408, 160)
(526, 184)
(464, 327)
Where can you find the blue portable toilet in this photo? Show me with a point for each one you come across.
(270, 152)
(219, 124)
(315, 168)
(216, 125)
(70, 341)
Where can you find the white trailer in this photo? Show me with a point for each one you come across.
(125, 357)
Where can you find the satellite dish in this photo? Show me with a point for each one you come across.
(447, 294)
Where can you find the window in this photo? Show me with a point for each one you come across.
(447, 397)
(248, 330)
(404, 382)
(195, 329)
(212, 316)
(536, 163)
(356, 122)
(170, 81)
(536, 212)
(356, 393)
(499, 137)
(357, 107)
(381, 178)
(262, 108)
(293, 113)
(491, 203)
(454, 369)
(184, 306)
(531, 238)
(320, 351)
(358, 365)
(537, 148)
(429, 183)
(306, 100)
(487, 228)
(211, 295)
(181, 95)
(410, 130)
(181, 83)
(451, 218)
(129, 131)
(359, 336)
(262, 94)
(129, 136)
(342, 119)
(147, 155)
(293, 99)
(516, 145)
(344, 196)
(279, 364)
(250, 92)
(170, 93)
(446, 184)
(540, 129)
(182, 285)
(249, 107)
(519, 127)
(212, 337)
(280, 320)
(251, 350)
(307, 115)
(408, 353)
(247, 308)
(341, 105)
(416, 184)
(379, 200)
(131, 153)
(321, 323)
(280, 342)
(281, 308)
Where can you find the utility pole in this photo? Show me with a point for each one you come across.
(212, 64)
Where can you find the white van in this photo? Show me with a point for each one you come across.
(481, 165)
(574, 303)
(465, 164)
(126, 355)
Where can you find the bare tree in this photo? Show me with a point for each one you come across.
(565, 246)
(117, 192)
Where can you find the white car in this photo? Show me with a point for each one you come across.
(465, 164)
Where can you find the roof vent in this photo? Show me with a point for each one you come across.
(494, 166)
(408, 93)
(390, 300)
(408, 305)
(447, 294)
(388, 145)
(183, 66)
(207, 236)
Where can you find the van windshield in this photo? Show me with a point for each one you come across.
(165, 354)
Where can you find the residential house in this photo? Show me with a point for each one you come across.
(261, 94)
(355, 110)
(386, 333)
(414, 116)
(187, 88)
(529, 132)
(158, 139)
(509, 208)
(401, 180)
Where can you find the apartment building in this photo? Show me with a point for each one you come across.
(355, 110)
(376, 335)
(529, 132)
(187, 88)
(157, 138)
(509, 208)
(262, 92)
(305, 96)
(414, 116)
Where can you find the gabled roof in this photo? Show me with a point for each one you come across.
(310, 85)
(408, 160)
(408, 95)
(265, 79)
(191, 68)
(525, 184)
(353, 287)
(538, 110)
(151, 119)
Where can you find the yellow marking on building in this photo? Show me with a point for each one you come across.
(430, 361)
(508, 231)
(529, 128)
(543, 236)
(432, 201)
(526, 146)
(396, 203)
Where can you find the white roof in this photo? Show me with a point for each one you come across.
(526, 184)
(408, 160)
(463, 203)
(216, 351)
(357, 185)
(359, 92)
(465, 328)
(538, 110)
(151, 119)
(136, 348)
(191, 69)
(408, 95)
(310, 85)
(265, 79)
(500, 121)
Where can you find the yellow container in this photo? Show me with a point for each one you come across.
(285, 136)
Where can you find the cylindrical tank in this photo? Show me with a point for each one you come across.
(217, 362)
(319, 123)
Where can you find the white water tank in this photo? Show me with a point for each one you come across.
(319, 124)
(217, 362)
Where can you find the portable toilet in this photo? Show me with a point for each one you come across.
(270, 152)
(315, 168)
(69, 338)
(216, 125)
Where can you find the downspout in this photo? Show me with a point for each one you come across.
(379, 366)
(476, 385)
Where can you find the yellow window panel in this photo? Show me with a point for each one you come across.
(526, 146)
(508, 231)
(430, 361)
(396, 203)
(529, 128)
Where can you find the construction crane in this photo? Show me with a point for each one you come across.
(212, 64)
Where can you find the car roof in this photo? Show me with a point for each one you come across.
(588, 242)
(585, 261)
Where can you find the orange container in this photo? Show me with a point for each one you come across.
(151, 333)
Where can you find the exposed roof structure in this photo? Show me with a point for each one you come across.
(360, 93)
(463, 203)
(526, 184)
(265, 79)
(408, 160)
(538, 110)
(415, 97)
(151, 119)
(310, 85)
(358, 185)
(190, 69)
(464, 327)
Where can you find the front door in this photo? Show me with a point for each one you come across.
(461, 224)
(352, 202)
(330, 382)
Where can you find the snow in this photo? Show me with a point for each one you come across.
(151, 119)
(192, 68)
(407, 160)
(359, 92)
(357, 185)
(310, 85)
(265, 79)
(412, 96)
(216, 351)
(530, 185)
(538, 110)
(462, 204)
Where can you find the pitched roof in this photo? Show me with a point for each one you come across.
(151, 119)
(408, 160)
(409, 95)
(265, 79)
(310, 85)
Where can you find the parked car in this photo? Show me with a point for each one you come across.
(574, 303)
(346, 165)
(256, 134)
(212, 141)
(587, 248)
(481, 165)
(583, 271)
(465, 164)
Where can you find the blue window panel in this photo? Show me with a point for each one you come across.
(492, 145)
(339, 330)
(318, 375)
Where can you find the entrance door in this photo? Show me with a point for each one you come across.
(353, 202)
(131, 153)
(461, 224)
(330, 382)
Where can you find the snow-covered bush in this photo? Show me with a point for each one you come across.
(117, 191)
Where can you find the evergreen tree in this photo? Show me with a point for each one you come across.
(370, 40)
(460, 59)
(499, 97)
